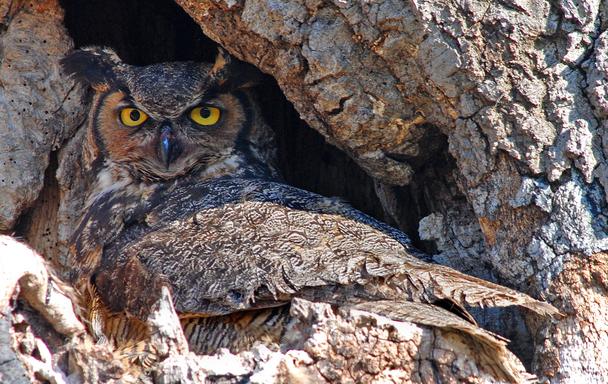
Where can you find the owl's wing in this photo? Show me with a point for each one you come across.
(102, 222)
(106, 220)
(263, 243)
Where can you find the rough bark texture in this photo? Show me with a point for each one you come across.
(517, 88)
(38, 108)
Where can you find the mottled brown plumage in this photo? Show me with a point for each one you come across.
(212, 221)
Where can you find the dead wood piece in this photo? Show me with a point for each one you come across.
(167, 334)
(21, 266)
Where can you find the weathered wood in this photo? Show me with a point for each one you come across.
(38, 108)
(24, 267)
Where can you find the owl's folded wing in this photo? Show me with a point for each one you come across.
(255, 254)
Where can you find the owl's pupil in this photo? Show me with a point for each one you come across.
(134, 115)
(205, 113)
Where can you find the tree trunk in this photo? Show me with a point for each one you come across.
(518, 88)
(480, 124)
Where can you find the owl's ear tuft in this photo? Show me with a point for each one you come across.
(233, 74)
(222, 64)
(94, 66)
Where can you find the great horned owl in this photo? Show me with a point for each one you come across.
(187, 196)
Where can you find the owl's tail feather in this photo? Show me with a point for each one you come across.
(237, 331)
(141, 353)
(490, 350)
(129, 337)
(431, 282)
(469, 290)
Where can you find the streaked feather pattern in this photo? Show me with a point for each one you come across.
(232, 244)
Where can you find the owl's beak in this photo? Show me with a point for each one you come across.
(168, 146)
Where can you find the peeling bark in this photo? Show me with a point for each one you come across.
(581, 290)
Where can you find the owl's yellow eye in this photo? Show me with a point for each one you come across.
(206, 115)
(132, 117)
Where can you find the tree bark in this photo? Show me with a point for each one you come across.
(518, 90)
(38, 109)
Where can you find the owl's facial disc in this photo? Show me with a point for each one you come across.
(169, 120)
(159, 146)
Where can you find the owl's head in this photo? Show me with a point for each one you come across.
(172, 119)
